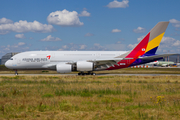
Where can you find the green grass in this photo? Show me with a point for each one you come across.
(90, 97)
(4, 70)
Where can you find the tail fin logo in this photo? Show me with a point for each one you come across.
(143, 49)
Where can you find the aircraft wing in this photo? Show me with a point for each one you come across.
(97, 62)
(110, 62)
(103, 61)
(155, 56)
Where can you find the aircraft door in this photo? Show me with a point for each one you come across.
(128, 61)
(98, 55)
(18, 61)
(53, 55)
(14, 63)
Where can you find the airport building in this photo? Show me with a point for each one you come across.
(7, 57)
(173, 58)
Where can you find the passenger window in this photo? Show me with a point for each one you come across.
(11, 58)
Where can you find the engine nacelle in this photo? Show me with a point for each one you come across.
(63, 68)
(85, 66)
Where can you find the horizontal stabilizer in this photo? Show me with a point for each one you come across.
(155, 56)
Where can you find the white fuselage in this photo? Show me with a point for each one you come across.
(43, 59)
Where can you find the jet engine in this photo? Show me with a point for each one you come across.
(63, 68)
(85, 66)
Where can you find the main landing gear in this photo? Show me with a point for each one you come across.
(89, 73)
(16, 73)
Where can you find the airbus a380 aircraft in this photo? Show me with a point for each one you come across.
(88, 61)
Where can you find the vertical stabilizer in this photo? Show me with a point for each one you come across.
(149, 44)
(156, 35)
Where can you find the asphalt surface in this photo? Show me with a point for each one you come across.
(96, 75)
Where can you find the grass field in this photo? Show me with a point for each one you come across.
(90, 97)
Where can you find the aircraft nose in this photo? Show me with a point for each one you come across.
(8, 64)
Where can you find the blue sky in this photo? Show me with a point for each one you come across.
(27, 25)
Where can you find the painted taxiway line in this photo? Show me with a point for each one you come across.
(96, 75)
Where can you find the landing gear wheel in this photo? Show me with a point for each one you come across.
(16, 73)
(81, 73)
(89, 73)
(93, 74)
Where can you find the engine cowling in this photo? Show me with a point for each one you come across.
(63, 68)
(85, 66)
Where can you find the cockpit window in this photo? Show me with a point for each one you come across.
(11, 58)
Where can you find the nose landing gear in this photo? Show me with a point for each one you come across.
(16, 73)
